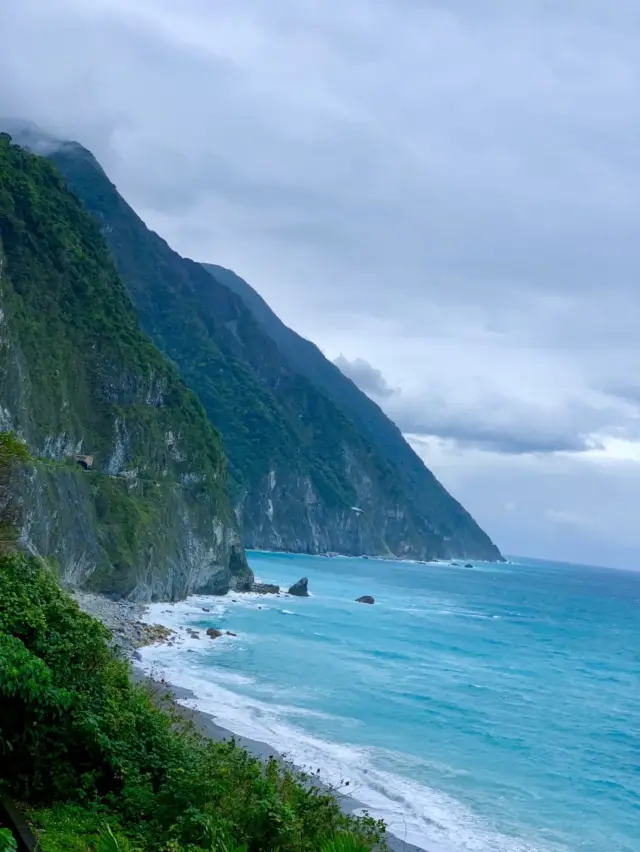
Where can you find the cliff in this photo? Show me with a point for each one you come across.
(150, 518)
(308, 473)
(460, 535)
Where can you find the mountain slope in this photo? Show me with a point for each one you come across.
(305, 476)
(446, 514)
(151, 517)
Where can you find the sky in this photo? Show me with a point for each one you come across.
(444, 196)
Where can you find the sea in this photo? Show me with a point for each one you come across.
(475, 707)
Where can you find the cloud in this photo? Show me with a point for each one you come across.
(366, 377)
(565, 507)
(448, 191)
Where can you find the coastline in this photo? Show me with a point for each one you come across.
(206, 724)
(126, 621)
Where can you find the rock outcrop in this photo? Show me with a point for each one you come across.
(265, 589)
(150, 517)
(365, 599)
(213, 633)
(300, 589)
(329, 471)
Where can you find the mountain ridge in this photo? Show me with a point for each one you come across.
(147, 516)
(307, 472)
(366, 413)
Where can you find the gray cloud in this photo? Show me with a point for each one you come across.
(449, 191)
(565, 507)
(496, 422)
(365, 376)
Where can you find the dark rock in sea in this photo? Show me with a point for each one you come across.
(365, 599)
(265, 588)
(213, 633)
(468, 565)
(204, 609)
(229, 633)
(300, 589)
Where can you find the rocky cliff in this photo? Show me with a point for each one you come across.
(129, 492)
(314, 464)
(307, 472)
(459, 535)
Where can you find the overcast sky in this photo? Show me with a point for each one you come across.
(443, 195)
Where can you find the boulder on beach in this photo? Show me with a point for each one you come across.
(300, 589)
(213, 632)
(365, 599)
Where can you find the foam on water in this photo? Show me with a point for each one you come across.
(416, 814)
(475, 710)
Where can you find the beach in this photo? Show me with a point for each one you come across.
(206, 724)
(460, 708)
(126, 621)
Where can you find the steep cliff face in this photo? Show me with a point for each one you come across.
(150, 517)
(306, 474)
(460, 535)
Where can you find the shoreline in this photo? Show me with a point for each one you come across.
(126, 621)
(206, 724)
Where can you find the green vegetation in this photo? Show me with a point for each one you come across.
(102, 767)
(13, 456)
(7, 841)
(77, 374)
(272, 418)
(420, 487)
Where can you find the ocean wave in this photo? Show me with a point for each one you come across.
(416, 813)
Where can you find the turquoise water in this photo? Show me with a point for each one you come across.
(486, 708)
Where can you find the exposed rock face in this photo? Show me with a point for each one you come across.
(300, 589)
(150, 518)
(265, 589)
(366, 599)
(330, 472)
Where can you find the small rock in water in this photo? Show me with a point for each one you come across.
(300, 589)
(365, 599)
(468, 565)
(204, 609)
(229, 633)
(213, 633)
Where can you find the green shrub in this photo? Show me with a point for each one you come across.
(7, 841)
(88, 748)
